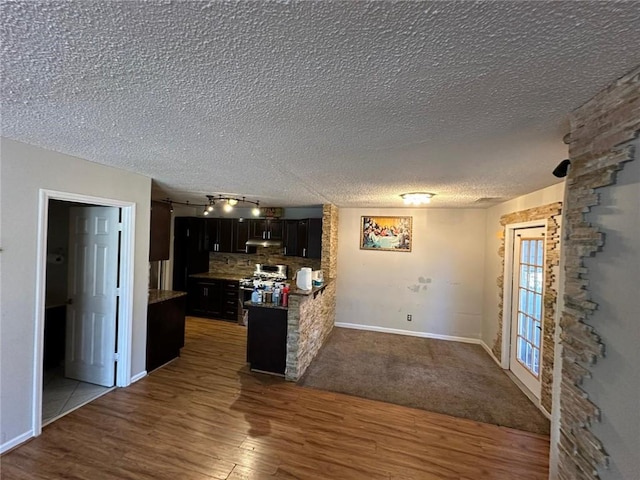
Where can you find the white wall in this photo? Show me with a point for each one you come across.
(440, 282)
(24, 170)
(614, 275)
(493, 263)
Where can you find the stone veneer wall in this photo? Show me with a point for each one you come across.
(243, 264)
(310, 321)
(599, 144)
(330, 241)
(551, 214)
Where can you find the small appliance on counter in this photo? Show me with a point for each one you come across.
(304, 279)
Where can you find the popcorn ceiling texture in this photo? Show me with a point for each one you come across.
(308, 103)
(601, 132)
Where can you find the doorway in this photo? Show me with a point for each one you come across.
(84, 301)
(80, 309)
(527, 294)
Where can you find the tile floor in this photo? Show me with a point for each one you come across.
(61, 395)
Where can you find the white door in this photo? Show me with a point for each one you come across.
(527, 307)
(92, 303)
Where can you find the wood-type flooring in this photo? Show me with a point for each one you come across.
(206, 416)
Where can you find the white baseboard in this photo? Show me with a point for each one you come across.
(14, 442)
(139, 376)
(397, 331)
(488, 350)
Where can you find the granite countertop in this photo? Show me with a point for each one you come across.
(314, 290)
(216, 276)
(264, 305)
(156, 296)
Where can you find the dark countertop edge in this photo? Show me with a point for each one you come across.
(250, 304)
(304, 293)
(157, 296)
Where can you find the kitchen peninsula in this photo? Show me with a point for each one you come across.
(284, 340)
(165, 326)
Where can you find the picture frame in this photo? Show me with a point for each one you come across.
(391, 234)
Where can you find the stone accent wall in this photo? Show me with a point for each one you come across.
(243, 264)
(310, 321)
(550, 213)
(599, 145)
(330, 241)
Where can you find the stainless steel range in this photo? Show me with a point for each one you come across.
(265, 276)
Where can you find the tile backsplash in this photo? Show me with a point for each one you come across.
(243, 264)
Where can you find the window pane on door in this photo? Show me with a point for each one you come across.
(531, 275)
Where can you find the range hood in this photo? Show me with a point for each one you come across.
(258, 242)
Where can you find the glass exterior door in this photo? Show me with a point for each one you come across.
(527, 307)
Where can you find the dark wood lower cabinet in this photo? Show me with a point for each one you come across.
(213, 298)
(165, 331)
(267, 339)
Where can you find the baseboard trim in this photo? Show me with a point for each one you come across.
(14, 442)
(139, 376)
(488, 350)
(398, 331)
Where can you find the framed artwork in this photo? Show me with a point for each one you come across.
(393, 234)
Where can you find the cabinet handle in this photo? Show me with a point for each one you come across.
(304, 252)
(285, 250)
(264, 235)
(269, 235)
(206, 292)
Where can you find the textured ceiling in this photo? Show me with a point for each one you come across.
(302, 103)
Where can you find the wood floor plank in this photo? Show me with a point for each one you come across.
(205, 416)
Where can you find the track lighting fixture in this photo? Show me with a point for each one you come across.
(228, 204)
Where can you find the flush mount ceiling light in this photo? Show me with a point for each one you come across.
(417, 198)
(229, 203)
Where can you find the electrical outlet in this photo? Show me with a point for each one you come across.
(409, 317)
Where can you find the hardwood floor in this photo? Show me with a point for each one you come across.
(205, 416)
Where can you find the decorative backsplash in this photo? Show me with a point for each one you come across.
(243, 264)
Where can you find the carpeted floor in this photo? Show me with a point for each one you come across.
(458, 379)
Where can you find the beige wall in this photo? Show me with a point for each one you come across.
(24, 170)
(440, 282)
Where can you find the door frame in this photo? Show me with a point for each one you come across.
(125, 306)
(507, 295)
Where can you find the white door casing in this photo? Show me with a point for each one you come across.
(92, 293)
(527, 305)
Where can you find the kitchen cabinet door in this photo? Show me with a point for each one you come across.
(266, 229)
(291, 238)
(190, 252)
(241, 235)
(160, 235)
(220, 235)
(205, 298)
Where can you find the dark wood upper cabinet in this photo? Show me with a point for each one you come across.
(291, 238)
(266, 229)
(241, 235)
(160, 237)
(220, 235)
(303, 238)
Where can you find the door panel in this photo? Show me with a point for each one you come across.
(527, 307)
(91, 310)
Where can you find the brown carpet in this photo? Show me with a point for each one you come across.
(458, 379)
